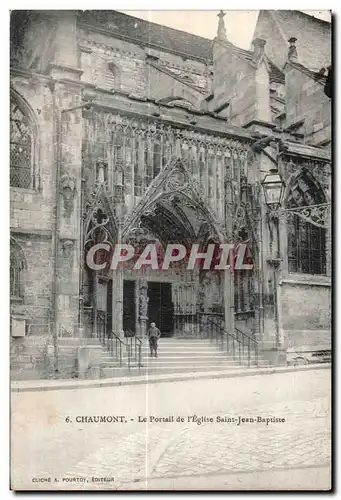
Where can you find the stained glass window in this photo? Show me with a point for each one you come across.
(306, 242)
(20, 148)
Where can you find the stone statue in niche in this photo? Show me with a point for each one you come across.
(67, 254)
(144, 299)
(211, 296)
(68, 191)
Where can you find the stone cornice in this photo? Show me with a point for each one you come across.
(63, 67)
(46, 79)
(176, 117)
(36, 233)
(306, 151)
(28, 73)
(308, 281)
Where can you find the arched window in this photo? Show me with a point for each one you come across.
(306, 241)
(17, 265)
(21, 145)
(115, 71)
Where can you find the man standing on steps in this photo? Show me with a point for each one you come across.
(153, 335)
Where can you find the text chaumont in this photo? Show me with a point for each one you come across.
(100, 419)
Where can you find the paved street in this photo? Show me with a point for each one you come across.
(238, 449)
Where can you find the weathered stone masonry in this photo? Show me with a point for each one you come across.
(157, 129)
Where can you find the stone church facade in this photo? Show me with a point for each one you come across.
(124, 131)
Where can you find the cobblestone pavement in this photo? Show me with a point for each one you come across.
(133, 455)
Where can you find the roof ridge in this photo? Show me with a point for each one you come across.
(139, 19)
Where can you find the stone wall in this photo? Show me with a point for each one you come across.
(235, 82)
(305, 308)
(33, 209)
(114, 64)
(31, 221)
(305, 99)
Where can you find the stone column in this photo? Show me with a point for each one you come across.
(68, 160)
(271, 255)
(117, 301)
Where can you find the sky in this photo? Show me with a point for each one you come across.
(239, 24)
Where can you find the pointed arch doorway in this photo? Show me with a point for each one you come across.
(178, 298)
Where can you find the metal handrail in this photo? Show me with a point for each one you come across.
(241, 342)
(246, 335)
(118, 346)
(138, 349)
(134, 350)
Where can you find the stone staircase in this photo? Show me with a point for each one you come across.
(177, 355)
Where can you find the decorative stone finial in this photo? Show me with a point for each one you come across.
(258, 47)
(292, 52)
(221, 35)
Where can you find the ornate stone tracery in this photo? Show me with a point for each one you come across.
(100, 222)
(144, 149)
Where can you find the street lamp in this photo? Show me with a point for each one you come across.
(273, 187)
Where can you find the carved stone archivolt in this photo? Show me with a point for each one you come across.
(140, 236)
(173, 182)
(176, 181)
(319, 170)
(307, 192)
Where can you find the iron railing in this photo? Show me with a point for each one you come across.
(134, 350)
(116, 346)
(240, 345)
(131, 346)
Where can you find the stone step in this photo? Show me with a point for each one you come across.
(176, 355)
(192, 362)
(143, 371)
(190, 354)
(203, 357)
(187, 348)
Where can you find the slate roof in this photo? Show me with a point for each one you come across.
(156, 35)
(149, 33)
(318, 77)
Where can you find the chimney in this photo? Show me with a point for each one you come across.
(258, 47)
(221, 34)
(292, 52)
